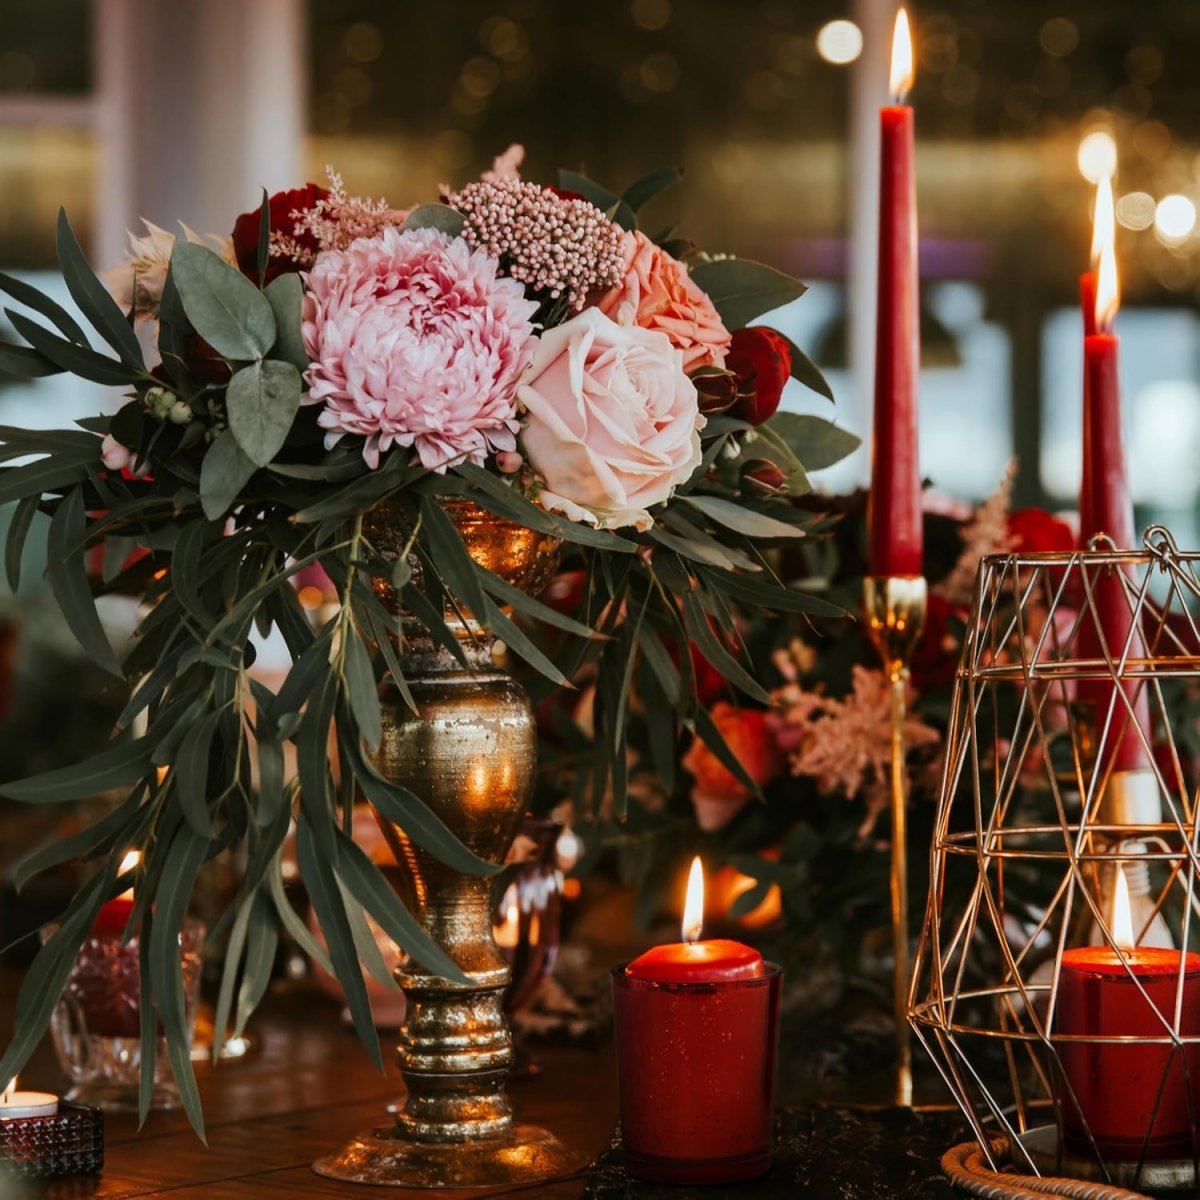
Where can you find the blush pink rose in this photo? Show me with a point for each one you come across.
(612, 421)
(658, 293)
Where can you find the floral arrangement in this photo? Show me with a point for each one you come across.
(800, 825)
(526, 347)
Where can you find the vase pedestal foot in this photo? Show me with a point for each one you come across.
(524, 1154)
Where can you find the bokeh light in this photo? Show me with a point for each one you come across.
(1097, 155)
(1174, 218)
(839, 42)
(1135, 210)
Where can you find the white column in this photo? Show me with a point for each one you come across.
(869, 91)
(201, 104)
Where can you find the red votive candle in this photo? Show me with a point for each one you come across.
(697, 1027)
(1136, 1096)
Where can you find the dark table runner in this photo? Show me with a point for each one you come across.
(831, 1153)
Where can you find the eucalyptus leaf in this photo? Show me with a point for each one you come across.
(69, 583)
(285, 294)
(70, 356)
(262, 401)
(261, 946)
(20, 362)
(645, 189)
(327, 902)
(27, 294)
(741, 519)
(181, 865)
(190, 772)
(371, 889)
(715, 652)
(805, 371)
(223, 306)
(225, 471)
(14, 542)
(435, 216)
(94, 299)
(234, 949)
(742, 289)
(361, 689)
(817, 443)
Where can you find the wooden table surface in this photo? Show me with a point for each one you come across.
(307, 1089)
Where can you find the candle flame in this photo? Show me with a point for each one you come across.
(902, 58)
(1122, 922)
(1104, 222)
(8, 1091)
(693, 908)
(128, 863)
(1104, 256)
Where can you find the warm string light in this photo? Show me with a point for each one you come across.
(902, 59)
(693, 908)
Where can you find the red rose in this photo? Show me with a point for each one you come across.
(281, 206)
(762, 361)
(718, 793)
(1036, 531)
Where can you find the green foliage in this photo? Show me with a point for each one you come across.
(241, 496)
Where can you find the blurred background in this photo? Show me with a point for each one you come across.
(123, 109)
(120, 109)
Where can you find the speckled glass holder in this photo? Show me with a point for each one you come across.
(71, 1142)
(696, 1063)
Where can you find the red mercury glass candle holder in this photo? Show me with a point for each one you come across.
(697, 1074)
(1139, 1097)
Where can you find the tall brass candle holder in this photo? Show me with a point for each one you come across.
(1068, 1032)
(895, 610)
(469, 751)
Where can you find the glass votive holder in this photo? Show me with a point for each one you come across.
(96, 1025)
(68, 1142)
(696, 1063)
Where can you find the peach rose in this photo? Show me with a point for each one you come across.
(612, 422)
(658, 293)
(717, 794)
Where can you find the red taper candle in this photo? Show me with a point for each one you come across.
(894, 511)
(1105, 507)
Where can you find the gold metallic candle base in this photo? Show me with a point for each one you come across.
(895, 610)
(469, 751)
(523, 1154)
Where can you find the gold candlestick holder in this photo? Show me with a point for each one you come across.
(895, 610)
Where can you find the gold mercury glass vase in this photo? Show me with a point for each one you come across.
(470, 753)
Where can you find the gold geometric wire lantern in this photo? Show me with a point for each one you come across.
(1065, 867)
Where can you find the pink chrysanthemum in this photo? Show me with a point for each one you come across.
(415, 340)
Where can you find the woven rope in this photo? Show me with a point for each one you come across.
(967, 1168)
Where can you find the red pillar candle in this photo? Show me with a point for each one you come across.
(1137, 1095)
(894, 510)
(697, 1027)
(1105, 507)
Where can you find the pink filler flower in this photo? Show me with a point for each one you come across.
(415, 340)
